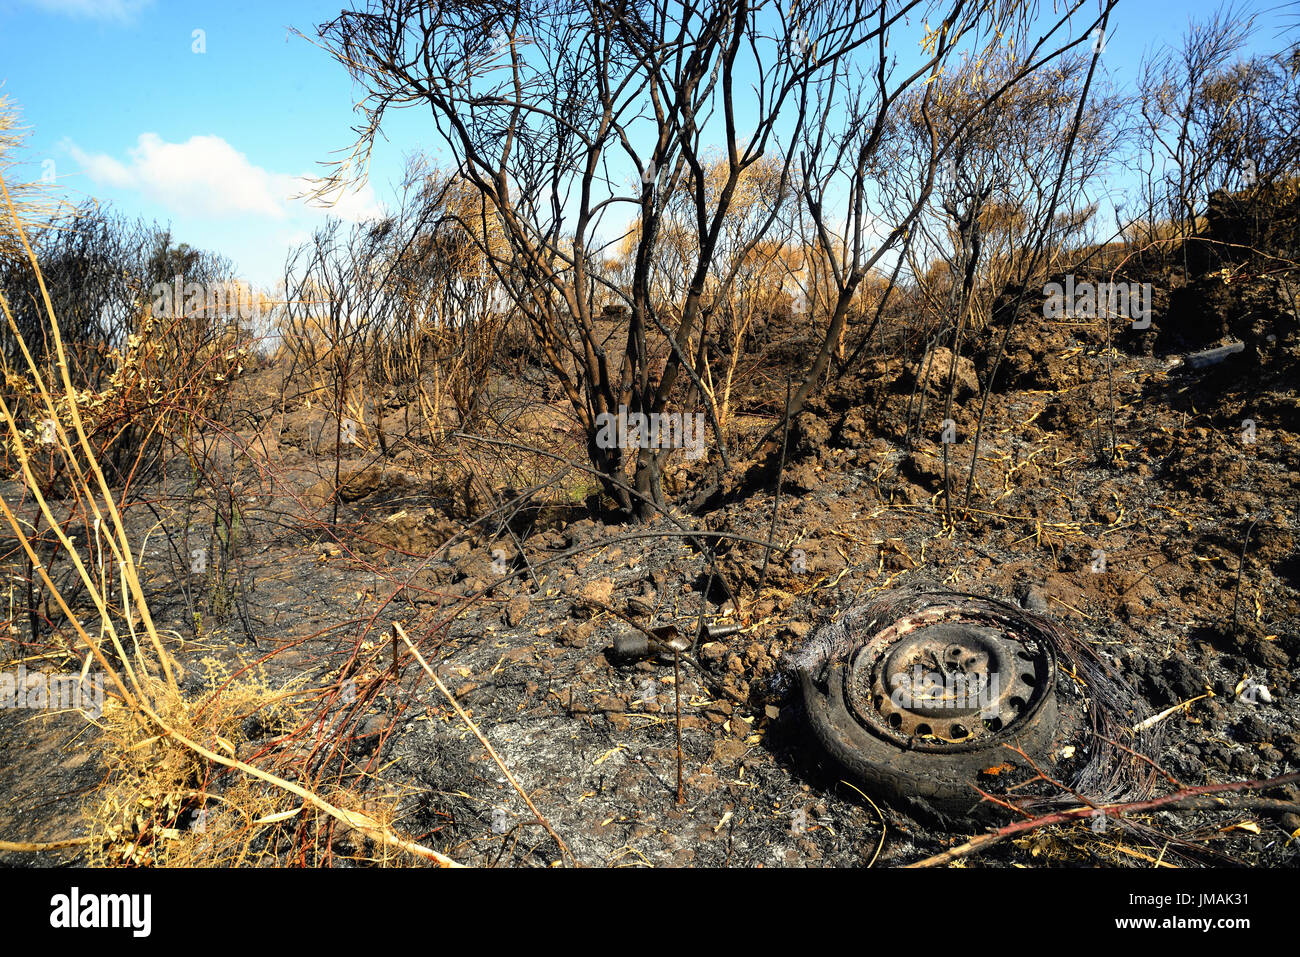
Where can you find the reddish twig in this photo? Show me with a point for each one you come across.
(1192, 797)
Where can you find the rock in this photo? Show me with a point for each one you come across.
(727, 752)
(575, 634)
(411, 531)
(940, 368)
(639, 609)
(713, 653)
(1251, 727)
(1171, 680)
(599, 590)
(358, 483)
(1184, 680)
(1132, 609)
(783, 599)
(473, 572)
(926, 468)
(1271, 655)
(1033, 599)
(1214, 712)
(811, 432)
(319, 493)
(354, 483)
(517, 611)
(741, 727)
(577, 533)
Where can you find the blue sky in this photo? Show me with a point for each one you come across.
(216, 143)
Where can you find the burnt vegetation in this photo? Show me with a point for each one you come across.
(345, 548)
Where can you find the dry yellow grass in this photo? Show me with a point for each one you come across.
(32, 204)
(165, 746)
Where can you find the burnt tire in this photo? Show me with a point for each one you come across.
(939, 784)
(932, 778)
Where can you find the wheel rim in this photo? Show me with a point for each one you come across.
(955, 676)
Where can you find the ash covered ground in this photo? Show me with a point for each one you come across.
(1097, 444)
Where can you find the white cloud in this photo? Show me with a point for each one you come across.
(120, 10)
(206, 176)
(103, 169)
